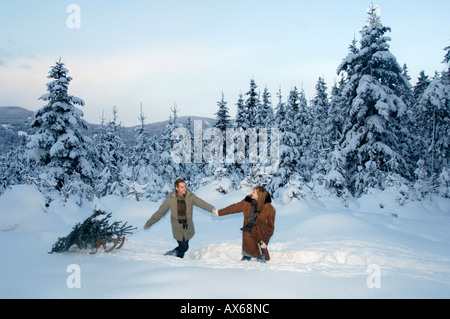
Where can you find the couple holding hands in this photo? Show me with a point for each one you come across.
(259, 219)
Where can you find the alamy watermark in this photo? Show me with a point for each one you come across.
(73, 21)
(74, 279)
(374, 279)
(257, 152)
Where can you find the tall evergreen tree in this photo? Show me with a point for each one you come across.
(433, 125)
(303, 130)
(335, 117)
(59, 147)
(319, 144)
(265, 116)
(112, 155)
(166, 168)
(319, 109)
(374, 92)
(141, 152)
(280, 110)
(241, 115)
(222, 116)
(140, 174)
(252, 105)
(289, 143)
(223, 121)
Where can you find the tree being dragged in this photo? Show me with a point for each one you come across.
(95, 228)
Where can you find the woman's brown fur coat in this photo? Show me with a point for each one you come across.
(263, 231)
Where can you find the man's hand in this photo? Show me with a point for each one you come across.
(215, 212)
(146, 227)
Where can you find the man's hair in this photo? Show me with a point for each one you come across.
(178, 181)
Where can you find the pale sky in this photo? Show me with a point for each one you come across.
(122, 53)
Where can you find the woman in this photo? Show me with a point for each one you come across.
(259, 223)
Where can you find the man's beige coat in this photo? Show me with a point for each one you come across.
(171, 203)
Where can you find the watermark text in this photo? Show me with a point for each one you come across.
(235, 146)
(374, 279)
(74, 279)
(73, 21)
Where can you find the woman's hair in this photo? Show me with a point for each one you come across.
(262, 194)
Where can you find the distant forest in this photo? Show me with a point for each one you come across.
(374, 130)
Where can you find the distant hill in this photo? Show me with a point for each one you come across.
(15, 119)
(14, 115)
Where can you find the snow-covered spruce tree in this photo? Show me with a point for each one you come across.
(444, 176)
(111, 152)
(246, 118)
(433, 125)
(289, 143)
(374, 94)
(139, 171)
(241, 116)
(252, 104)
(222, 116)
(414, 114)
(59, 148)
(223, 123)
(165, 167)
(141, 151)
(280, 110)
(335, 165)
(263, 125)
(235, 170)
(279, 118)
(302, 129)
(264, 115)
(319, 143)
(335, 117)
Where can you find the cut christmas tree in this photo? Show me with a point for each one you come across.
(95, 230)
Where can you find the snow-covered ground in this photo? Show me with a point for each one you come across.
(373, 248)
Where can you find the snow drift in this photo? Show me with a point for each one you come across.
(371, 248)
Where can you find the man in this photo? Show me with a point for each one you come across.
(180, 202)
